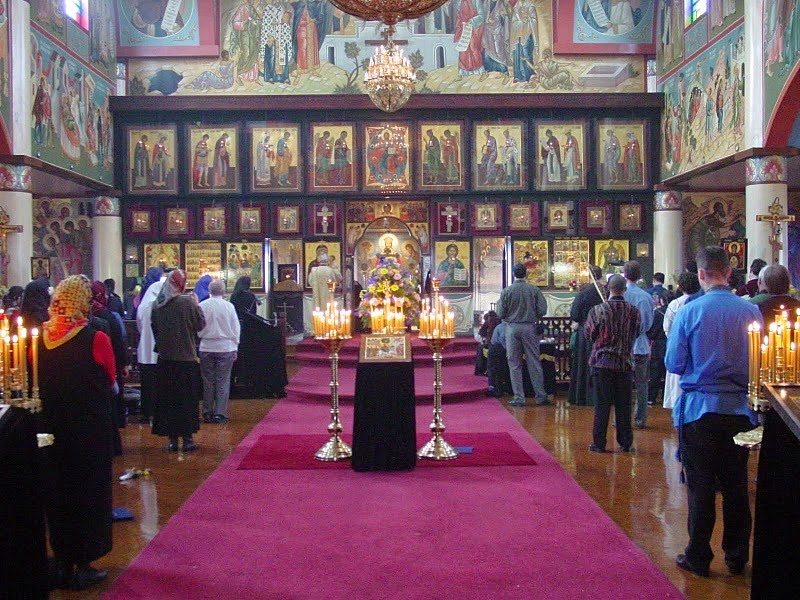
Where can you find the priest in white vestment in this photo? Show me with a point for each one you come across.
(318, 280)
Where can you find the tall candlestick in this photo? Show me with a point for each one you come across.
(35, 362)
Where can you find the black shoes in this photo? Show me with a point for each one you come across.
(593, 448)
(735, 567)
(493, 392)
(86, 577)
(189, 445)
(172, 447)
(684, 564)
(628, 449)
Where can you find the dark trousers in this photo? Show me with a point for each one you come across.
(613, 389)
(657, 371)
(712, 459)
(147, 388)
(497, 369)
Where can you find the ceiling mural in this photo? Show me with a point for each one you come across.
(310, 47)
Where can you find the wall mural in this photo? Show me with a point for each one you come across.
(709, 218)
(309, 47)
(781, 49)
(5, 98)
(62, 233)
(704, 107)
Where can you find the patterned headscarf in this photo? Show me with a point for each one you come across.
(173, 287)
(99, 297)
(69, 311)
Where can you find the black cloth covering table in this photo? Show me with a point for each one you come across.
(260, 369)
(23, 562)
(384, 423)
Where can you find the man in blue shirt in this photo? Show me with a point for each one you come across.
(641, 347)
(658, 289)
(521, 305)
(706, 347)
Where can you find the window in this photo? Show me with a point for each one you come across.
(78, 11)
(695, 9)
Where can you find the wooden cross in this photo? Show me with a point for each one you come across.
(5, 229)
(775, 218)
(449, 212)
(325, 212)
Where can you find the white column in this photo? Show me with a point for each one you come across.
(19, 206)
(20, 75)
(754, 80)
(107, 240)
(668, 235)
(765, 182)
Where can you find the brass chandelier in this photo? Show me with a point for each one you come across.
(389, 77)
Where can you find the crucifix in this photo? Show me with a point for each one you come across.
(325, 213)
(449, 212)
(5, 229)
(775, 218)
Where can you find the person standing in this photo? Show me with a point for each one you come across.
(243, 300)
(658, 291)
(175, 321)
(318, 280)
(114, 301)
(521, 305)
(612, 327)
(751, 288)
(641, 347)
(581, 390)
(76, 374)
(705, 349)
(146, 356)
(689, 285)
(219, 341)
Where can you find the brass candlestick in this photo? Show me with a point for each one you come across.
(437, 448)
(335, 448)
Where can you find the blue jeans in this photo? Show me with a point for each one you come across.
(521, 338)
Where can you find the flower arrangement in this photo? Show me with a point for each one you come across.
(388, 279)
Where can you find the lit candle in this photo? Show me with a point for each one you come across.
(15, 347)
(790, 375)
(7, 363)
(35, 360)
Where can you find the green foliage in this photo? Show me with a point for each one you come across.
(350, 88)
(416, 60)
(136, 87)
(352, 50)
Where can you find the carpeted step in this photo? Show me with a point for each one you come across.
(458, 383)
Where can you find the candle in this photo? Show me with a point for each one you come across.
(15, 358)
(7, 362)
(35, 353)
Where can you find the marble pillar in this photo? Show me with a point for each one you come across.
(668, 236)
(17, 200)
(765, 184)
(107, 240)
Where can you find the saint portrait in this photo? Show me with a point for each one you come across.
(215, 221)
(288, 220)
(534, 254)
(244, 259)
(561, 155)
(610, 255)
(558, 216)
(499, 157)
(212, 159)
(152, 165)
(275, 157)
(141, 221)
(519, 217)
(177, 221)
(485, 217)
(440, 155)
(250, 220)
(630, 217)
(595, 217)
(452, 260)
(387, 163)
(621, 156)
(332, 157)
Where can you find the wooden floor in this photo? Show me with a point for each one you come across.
(641, 492)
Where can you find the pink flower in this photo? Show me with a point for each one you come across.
(397, 276)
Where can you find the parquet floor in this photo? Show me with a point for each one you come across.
(641, 492)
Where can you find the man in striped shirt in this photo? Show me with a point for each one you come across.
(612, 327)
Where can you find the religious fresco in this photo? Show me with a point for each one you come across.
(704, 107)
(781, 51)
(71, 124)
(5, 69)
(158, 23)
(488, 263)
(309, 47)
(62, 231)
(709, 218)
(151, 160)
(604, 26)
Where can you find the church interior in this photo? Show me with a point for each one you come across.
(454, 140)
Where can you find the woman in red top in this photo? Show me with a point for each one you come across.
(77, 372)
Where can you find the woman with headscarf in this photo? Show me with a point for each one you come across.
(201, 287)
(153, 274)
(243, 300)
(176, 319)
(77, 372)
(113, 327)
(35, 301)
(11, 303)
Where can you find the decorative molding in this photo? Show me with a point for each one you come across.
(765, 169)
(670, 200)
(106, 206)
(15, 178)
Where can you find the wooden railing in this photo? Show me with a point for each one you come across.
(558, 328)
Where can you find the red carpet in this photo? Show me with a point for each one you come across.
(460, 533)
(297, 452)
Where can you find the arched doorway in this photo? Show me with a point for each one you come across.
(387, 236)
